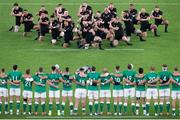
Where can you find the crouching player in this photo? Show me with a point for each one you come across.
(3, 90)
(140, 91)
(152, 90)
(105, 91)
(175, 90)
(80, 92)
(93, 90)
(54, 92)
(117, 90)
(164, 88)
(27, 93)
(67, 92)
(40, 90)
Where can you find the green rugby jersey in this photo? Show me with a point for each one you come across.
(176, 87)
(150, 77)
(81, 79)
(68, 85)
(165, 76)
(118, 79)
(93, 76)
(103, 79)
(27, 83)
(138, 80)
(13, 76)
(37, 79)
(129, 74)
(3, 82)
(54, 78)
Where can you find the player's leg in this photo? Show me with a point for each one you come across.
(138, 97)
(153, 28)
(37, 98)
(90, 96)
(57, 97)
(17, 95)
(166, 24)
(108, 101)
(115, 97)
(162, 96)
(64, 96)
(120, 100)
(83, 96)
(43, 101)
(132, 95)
(77, 100)
(179, 101)
(18, 23)
(1, 101)
(167, 99)
(5, 92)
(148, 99)
(126, 95)
(30, 102)
(155, 98)
(51, 98)
(102, 100)
(71, 105)
(96, 103)
(143, 95)
(12, 93)
(174, 96)
(25, 100)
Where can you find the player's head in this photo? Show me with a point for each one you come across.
(43, 14)
(98, 13)
(117, 67)
(143, 10)
(141, 70)
(16, 5)
(15, 67)
(131, 6)
(176, 69)
(67, 69)
(156, 8)
(93, 68)
(164, 67)
(40, 69)
(28, 71)
(2, 70)
(53, 68)
(152, 68)
(25, 12)
(130, 66)
(85, 3)
(59, 5)
(111, 5)
(43, 7)
(81, 70)
(105, 70)
(66, 13)
(52, 17)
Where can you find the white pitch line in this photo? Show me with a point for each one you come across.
(74, 50)
(119, 3)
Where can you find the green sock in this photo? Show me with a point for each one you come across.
(18, 105)
(63, 106)
(101, 106)
(108, 106)
(96, 107)
(43, 107)
(156, 107)
(147, 108)
(75, 110)
(168, 107)
(115, 107)
(133, 107)
(36, 107)
(83, 109)
(71, 106)
(0, 107)
(90, 107)
(50, 106)
(125, 107)
(137, 106)
(57, 106)
(6, 106)
(120, 107)
(161, 107)
(11, 105)
(24, 107)
(30, 107)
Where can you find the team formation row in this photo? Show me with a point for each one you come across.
(91, 27)
(94, 86)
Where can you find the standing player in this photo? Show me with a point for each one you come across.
(117, 90)
(80, 92)
(164, 88)
(129, 87)
(27, 93)
(157, 15)
(140, 91)
(15, 91)
(40, 90)
(3, 90)
(133, 13)
(93, 88)
(152, 90)
(54, 92)
(105, 92)
(17, 12)
(175, 90)
(67, 92)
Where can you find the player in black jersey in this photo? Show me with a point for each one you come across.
(68, 33)
(157, 15)
(17, 12)
(27, 20)
(134, 13)
(106, 17)
(59, 10)
(112, 10)
(42, 10)
(54, 27)
(85, 9)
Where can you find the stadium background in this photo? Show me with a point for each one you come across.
(27, 53)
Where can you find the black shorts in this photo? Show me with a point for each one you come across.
(135, 21)
(55, 33)
(68, 36)
(28, 26)
(18, 21)
(129, 30)
(158, 22)
(44, 30)
(106, 25)
(118, 35)
(102, 35)
(145, 27)
(89, 37)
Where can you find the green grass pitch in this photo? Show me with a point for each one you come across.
(27, 53)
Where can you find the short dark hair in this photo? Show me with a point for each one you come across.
(40, 69)
(53, 68)
(176, 68)
(129, 66)
(3, 70)
(131, 4)
(67, 69)
(27, 71)
(81, 69)
(15, 4)
(141, 70)
(15, 67)
(93, 68)
(152, 68)
(52, 16)
(117, 67)
(164, 65)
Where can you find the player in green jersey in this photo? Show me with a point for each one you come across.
(140, 91)
(3, 90)
(67, 92)
(93, 90)
(15, 91)
(129, 87)
(164, 88)
(152, 90)
(175, 90)
(27, 92)
(40, 79)
(80, 92)
(105, 91)
(117, 80)
(54, 92)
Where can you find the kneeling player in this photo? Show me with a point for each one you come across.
(67, 92)
(27, 93)
(105, 92)
(3, 90)
(118, 90)
(175, 90)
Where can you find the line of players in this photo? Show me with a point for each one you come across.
(94, 27)
(95, 86)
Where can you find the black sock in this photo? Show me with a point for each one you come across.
(11, 28)
(166, 27)
(37, 35)
(111, 44)
(100, 46)
(155, 33)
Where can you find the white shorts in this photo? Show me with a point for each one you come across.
(15, 91)
(67, 93)
(118, 93)
(3, 92)
(152, 92)
(54, 94)
(80, 93)
(164, 92)
(40, 95)
(93, 94)
(27, 94)
(175, 94)
(129, 92)
(105, 93)
(140, 94)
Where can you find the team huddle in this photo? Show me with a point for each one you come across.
(98, 88)
(92, 27)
